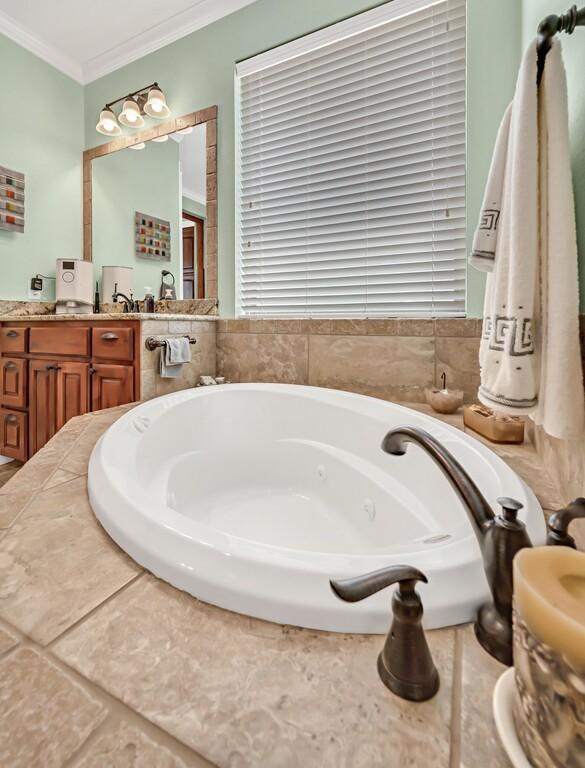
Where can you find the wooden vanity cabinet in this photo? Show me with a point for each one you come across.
(53, 371)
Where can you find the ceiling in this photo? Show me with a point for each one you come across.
(87, 39)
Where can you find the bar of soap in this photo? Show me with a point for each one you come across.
(549, 654)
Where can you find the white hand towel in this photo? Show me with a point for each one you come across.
(561, 403)
(529, 355)
(179, 350)
(173, 354)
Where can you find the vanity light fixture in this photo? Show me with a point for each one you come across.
(162, 138)
(141, 145)
(156, 104)
(149, 100)
(130, 115)
(107, 124)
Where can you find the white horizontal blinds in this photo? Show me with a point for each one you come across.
(351, 169)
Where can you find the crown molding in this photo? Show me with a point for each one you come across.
(40, 48)
(182, 24)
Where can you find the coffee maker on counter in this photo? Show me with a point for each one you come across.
(74, 287)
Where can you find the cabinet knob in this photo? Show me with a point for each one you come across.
(10, 419)
(9, 364)
(109, 336)
(11, 334)
(92, 370)
(53, 367)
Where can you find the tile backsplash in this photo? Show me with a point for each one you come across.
(391, 359)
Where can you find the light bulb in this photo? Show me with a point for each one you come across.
(156, 105)
(108, 124)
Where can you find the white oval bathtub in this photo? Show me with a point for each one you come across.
(252, 496)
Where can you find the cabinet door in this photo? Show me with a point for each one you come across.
(72, 391)
(13, 440)
(13, 382)
(42, 376)
(111, 385)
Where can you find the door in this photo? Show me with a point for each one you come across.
(72, 391)
(111, 385)
(193, 270)
(42, 375)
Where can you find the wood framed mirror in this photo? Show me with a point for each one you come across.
(197, 274)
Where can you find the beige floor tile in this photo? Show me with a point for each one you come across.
(480, 745)
(126, 746)
(45, 716)
(59, 477)
(57, 563)
(7, 640)
(76, 459)
(8, 470)
(243, 692)
(37, 470)
(11, 505)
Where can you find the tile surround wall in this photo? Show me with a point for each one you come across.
(203, 355)
(391, 359)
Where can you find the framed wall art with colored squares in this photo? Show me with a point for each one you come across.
(153, 237)
(11, 200)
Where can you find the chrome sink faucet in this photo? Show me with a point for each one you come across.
(500, 537)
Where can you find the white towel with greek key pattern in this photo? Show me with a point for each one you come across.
(529, 354)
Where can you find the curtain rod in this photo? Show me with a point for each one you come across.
(553, 24)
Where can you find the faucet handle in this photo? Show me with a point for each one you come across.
(405, 664)
(510, 508)
(558, 523)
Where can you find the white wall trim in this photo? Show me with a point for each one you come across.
(182, 24)
(40, 48)
(191, 195)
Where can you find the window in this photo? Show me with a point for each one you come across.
(351, 168)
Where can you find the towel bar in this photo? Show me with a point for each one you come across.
(550, 26)
(152, 343)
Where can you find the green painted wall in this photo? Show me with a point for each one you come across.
(198, 71)
(41, 135)
(493, 56)
(533, 11)
(125, 182)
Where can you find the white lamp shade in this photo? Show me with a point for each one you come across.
(141, 145)
(130, 115)
(156, 105)
(107, 124)
(160, 139)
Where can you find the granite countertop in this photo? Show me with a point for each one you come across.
(105, 316)
(100, 660)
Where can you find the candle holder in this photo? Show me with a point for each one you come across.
(549, 705)
(549, 656)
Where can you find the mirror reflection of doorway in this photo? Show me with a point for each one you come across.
(193, 271)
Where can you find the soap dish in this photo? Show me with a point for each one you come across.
(497, 428)
(503, 705)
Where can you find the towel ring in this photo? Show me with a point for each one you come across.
(152, 342)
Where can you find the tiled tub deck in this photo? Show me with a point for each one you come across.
(102, 664)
